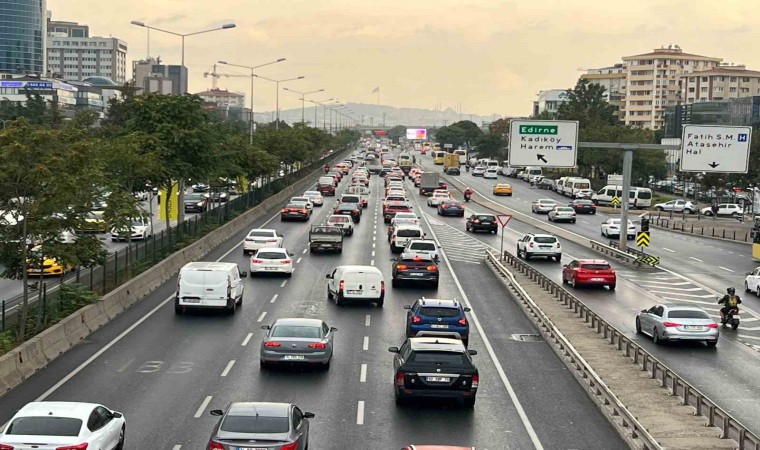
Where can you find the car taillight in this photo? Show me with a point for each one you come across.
(5, 447)
(475, 381)
(272, 344)
(317, 345)
(215, 446)
(290, 446)
(416, 319)
(257, 261)
(476, 221)
(285, 210)
(401, 267)
(463, 321)
(445, 206)
(671, 324)
(382, 286)
(557, 244)
(399, 379)
(82, 446)
(432, 268)
(286, 261)
(341, 285)
(712, 325)
(390, 229)
(303, 211)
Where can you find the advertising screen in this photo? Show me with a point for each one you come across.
(416, 133)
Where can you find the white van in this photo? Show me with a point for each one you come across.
(209, 285)
(573, 185)
(356, 283)
(492, 163)
(638, 196)
(532, 171)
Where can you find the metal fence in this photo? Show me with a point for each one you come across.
(138, 256)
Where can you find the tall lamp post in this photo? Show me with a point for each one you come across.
(251, 121)
(277, 90)
(303, 101)
(183, 81)
(316, 105)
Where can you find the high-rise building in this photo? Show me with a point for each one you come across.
(613, 79)
(653, 83)
(720, 83)
(548, 101)
(152, 76)
(22, 36)
(73, 55)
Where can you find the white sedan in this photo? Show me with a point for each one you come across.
(274, 259)
(611, 228)
(304, 199)
(315, 197)
(437, 198)
(491, 173)
(584, 193)
(260, 238)
(752, 282)
(64, 425)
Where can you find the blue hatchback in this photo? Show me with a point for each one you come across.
(437, 317)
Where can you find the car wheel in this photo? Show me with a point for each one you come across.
(708, 213)
(435, 284)
(655, 337)
(289, 274)
(557, 258)
(178, 309)
(329, 294)
(527, 255)
(711, 343)
(394, 282)
(380, 302)
(231, 311)
(263, 364)
(611, 286)
(572, 221)
(400, 401)
(746, 287)
(564, 280)
(468, 403)
(660, 208)
(467, 228)
(638, 326)
(758, 290)
(122, 435)
(517, 252)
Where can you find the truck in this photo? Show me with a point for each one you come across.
(405, 162)
(325, 237)
(450, 160)
(428, 183)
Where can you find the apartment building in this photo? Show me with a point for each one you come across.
(613, 79)
(720, 83)
(223, 97)
(549, 101)
(653, 83)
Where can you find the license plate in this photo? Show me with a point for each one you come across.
(250, 448)
(736, 317)
(421, 274)
(692, 327)
(545, 246)
(486, 223)
(597, 279)
(354, 292)
(438, 379)
(191, 300)
(439, 326)
(270, 268)
(293, 357)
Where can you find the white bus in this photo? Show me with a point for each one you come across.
(462, 156)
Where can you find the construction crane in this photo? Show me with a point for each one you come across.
(216, 75)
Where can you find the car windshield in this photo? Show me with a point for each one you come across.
(406, 216)
(447, 358)
(687, 314)
(435, 311)
(296, 205)
(193, 197)
(261, 234)
(425, 246)
(583, 202)
(294, 331)
(45, 426)
(311, 194)
(270, 255)
(545, 239)
(255, 424)
(326, 230)
(596, 266)
(346, 207)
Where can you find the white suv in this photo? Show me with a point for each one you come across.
(426, 248)
(402, 234)
(533, 244)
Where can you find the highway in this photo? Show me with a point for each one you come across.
(166, 372)
(727, 374)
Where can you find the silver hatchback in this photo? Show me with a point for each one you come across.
(672, 322)
(261, 425)
(300, 341)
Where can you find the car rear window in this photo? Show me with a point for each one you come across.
(564, 209)
(45, 426)
(596, 266)
(545, 239)
(269, 255)
(398, 207)
(350, 199)
(687, 314)
(326, 230)
(422, 246)
(261, 234)
(437, 311)
(444, 358)
(408, 233)
(339, 219)
(255, 424)
(296, 332)
(492, 218)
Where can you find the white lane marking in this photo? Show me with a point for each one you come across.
(684, 294)
(247, 339)
(727, 270)
(744, 336)
(373, 253)
(372, 263)
(367, 320)
(510, 390)
(284, 282)
(298, 260)
(228, 368)
(365, 344)
(304, 251)
(696, 289)
(363, 374)
(261, 317)
(177, 447)
(203, 406)
(360, 413)
(695, 259)
(373, 244)
(668, 250)
(665, 283)
(124, 367)
(585, 221)
(274, 298)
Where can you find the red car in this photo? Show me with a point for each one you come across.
(589, 272)
(391, 208)
(326, 189)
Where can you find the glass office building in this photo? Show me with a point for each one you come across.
(736, 111)
(22, 36)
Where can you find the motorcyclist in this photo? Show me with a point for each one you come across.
(327, 168)
(467, 167)
(730, 301)
(468, 193)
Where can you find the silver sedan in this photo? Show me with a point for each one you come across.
(671, 322)
(261, 425)
(304, 341)
(562, 214)
(542, 205)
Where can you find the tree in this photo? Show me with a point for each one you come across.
(491, 145)
(586, 104)
(397, 132)
(499, 126)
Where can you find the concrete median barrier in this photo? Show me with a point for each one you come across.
(54, 342)
(112, 306)
(94, 316)
(10, 376)
(31, 358)
(74, 328)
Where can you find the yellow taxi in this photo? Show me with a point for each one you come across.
(95, 222)
(50, 266)
(502, 189)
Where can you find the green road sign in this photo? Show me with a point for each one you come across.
(538, 129)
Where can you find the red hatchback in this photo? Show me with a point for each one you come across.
(589, 271)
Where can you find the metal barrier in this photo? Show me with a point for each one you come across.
(581, 369)
(616, 253)
(668, 379)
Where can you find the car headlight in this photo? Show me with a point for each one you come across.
(199, 204)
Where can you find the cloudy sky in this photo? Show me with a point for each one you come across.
(492, 56)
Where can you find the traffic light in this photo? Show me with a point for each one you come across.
(645, 224)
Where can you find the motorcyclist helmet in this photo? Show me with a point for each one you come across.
(731, 291)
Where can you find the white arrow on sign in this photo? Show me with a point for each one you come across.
(715, 148)
(543, 143)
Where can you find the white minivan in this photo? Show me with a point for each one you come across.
(572, 185)
(209, 285)
(362, 283)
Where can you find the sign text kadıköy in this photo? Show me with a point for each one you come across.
(545, 143)
(715, 148)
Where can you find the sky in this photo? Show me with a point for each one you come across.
(492, 56)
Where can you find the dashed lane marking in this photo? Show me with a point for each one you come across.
(261, 317)
(203, 406)
(247, 339)
(228, 368)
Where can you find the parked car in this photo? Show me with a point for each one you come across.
(724, 209)
(684, 206)
(196, 202)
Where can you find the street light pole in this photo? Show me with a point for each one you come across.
(277, 94)
(316, 105)
(303, 101)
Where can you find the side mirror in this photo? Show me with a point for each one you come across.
(644, 311)
(217, 412)
(328, 276)
(117, 415)
(290, 254)
(333, 329)
(244, 274)
(472, 352)
(308, 415)
(467, 309)
(266, 327)
(749, 273)
(565, 265)
(407, 306)
(393, 349)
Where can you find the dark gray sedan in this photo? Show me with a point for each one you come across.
(261, 426)
(301, 341)
(450, 208)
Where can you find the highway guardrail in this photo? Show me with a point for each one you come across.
(688, 395)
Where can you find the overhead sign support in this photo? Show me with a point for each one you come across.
(543, 143)
(715, 148)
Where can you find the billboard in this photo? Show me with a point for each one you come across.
(419, 134)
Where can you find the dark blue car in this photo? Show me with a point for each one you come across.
(437, 317)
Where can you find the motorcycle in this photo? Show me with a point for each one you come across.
(467, 198)
(732, 319)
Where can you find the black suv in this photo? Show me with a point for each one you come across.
(482, 222)
(196, 202)
(434, 367)
(415, 269)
